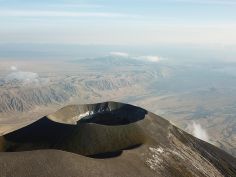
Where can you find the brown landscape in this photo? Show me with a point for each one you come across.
(77, 83)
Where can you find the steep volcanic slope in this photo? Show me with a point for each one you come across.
(110, 139)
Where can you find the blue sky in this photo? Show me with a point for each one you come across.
(123, 22)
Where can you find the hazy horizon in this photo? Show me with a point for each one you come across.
(142, 22)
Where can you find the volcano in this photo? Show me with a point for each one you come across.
(108, 139)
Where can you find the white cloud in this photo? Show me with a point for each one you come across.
(149, 58)
(120, 54)
(13, 68)
(25, 77)
(27, 13)
(199, 132)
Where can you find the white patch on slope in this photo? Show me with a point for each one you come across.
(83, 115)
(159, 150)
(156, 159)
